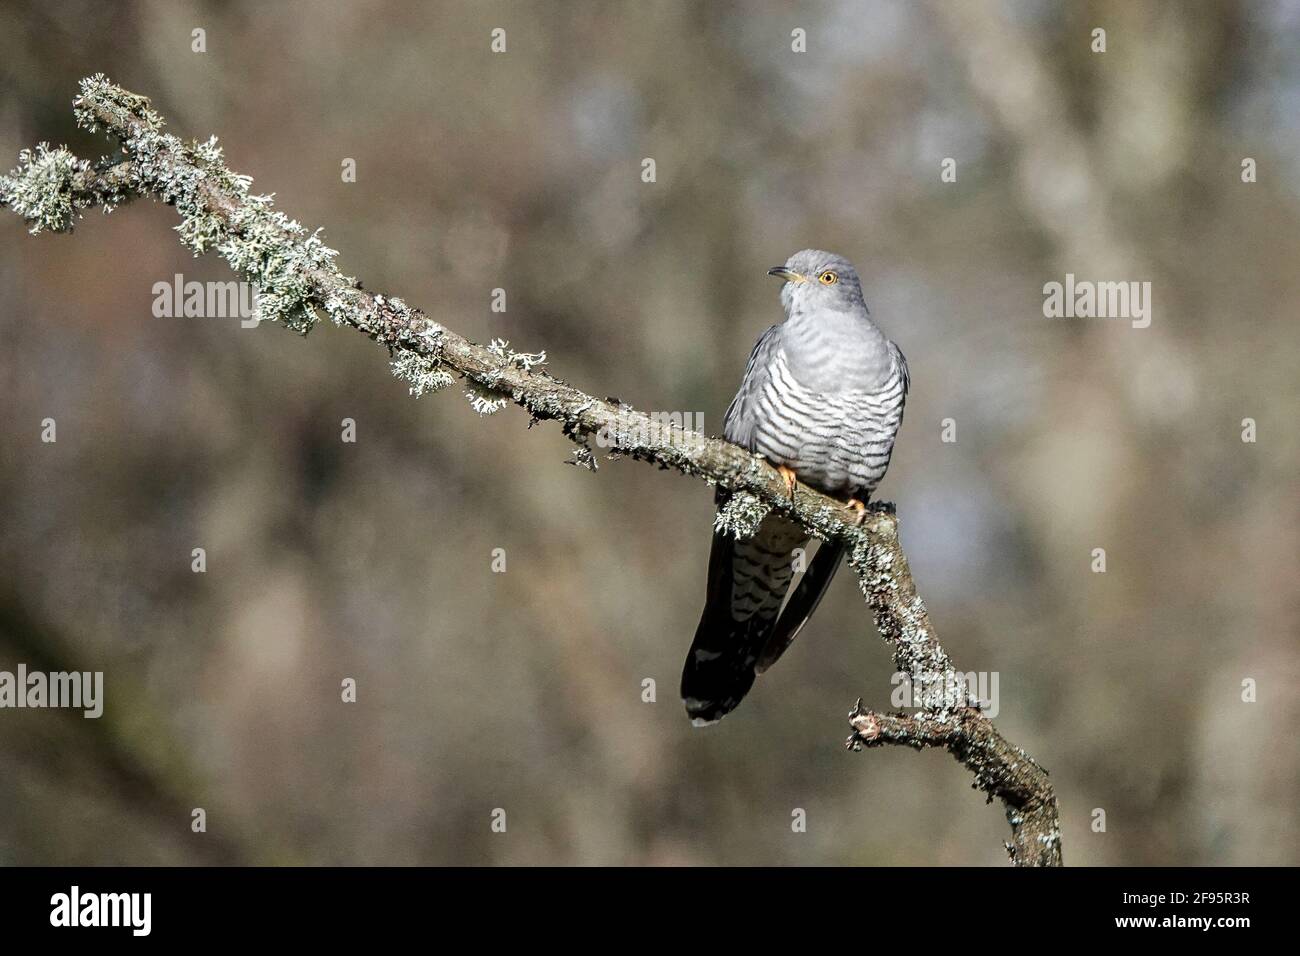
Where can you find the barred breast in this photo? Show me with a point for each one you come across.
(839, 442)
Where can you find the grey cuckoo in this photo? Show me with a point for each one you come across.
(822, 399)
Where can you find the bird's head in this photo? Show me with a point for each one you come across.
(816, 280)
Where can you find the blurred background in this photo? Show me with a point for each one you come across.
(523, 690)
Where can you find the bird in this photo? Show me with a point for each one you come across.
(821, 399)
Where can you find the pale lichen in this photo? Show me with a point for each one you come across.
(276, 254)
(424, 374)
(741, 516)
(583, 457)
(524, 360)
(487, 397)
(483, 400)
(50, 188)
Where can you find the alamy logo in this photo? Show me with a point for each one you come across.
(79, 690)
(206, 300)
(942, 689)
(75, 908)
(1084, 299)
(666, 427)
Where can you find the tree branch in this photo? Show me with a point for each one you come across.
(1001, 770)
(297, 280)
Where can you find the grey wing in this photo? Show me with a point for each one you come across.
(742, 413)
(902, 368)
(800, 607)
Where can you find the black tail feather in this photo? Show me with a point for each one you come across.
(719, 668)
(727, 654)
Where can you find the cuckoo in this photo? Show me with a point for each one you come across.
(821, 399)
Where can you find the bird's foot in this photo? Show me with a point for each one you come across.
(790, 479)
(860, 508)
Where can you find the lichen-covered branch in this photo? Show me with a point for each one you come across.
(948, 717)
(298, 282)
(1000, 770)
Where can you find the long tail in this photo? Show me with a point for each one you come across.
(741, 633)
(719, 667)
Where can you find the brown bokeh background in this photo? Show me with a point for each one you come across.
(522, 690)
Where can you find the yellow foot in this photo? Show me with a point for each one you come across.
(790, 479)
(860, 508)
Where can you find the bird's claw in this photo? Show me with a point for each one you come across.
(860, 508)
(790, 479)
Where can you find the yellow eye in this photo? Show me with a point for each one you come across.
(828, 278)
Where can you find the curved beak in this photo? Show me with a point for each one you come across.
(787, 275)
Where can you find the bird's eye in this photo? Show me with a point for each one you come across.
(828, 278)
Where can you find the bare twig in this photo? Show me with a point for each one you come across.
(297, 280)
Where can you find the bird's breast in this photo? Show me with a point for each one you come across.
(837, 441)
